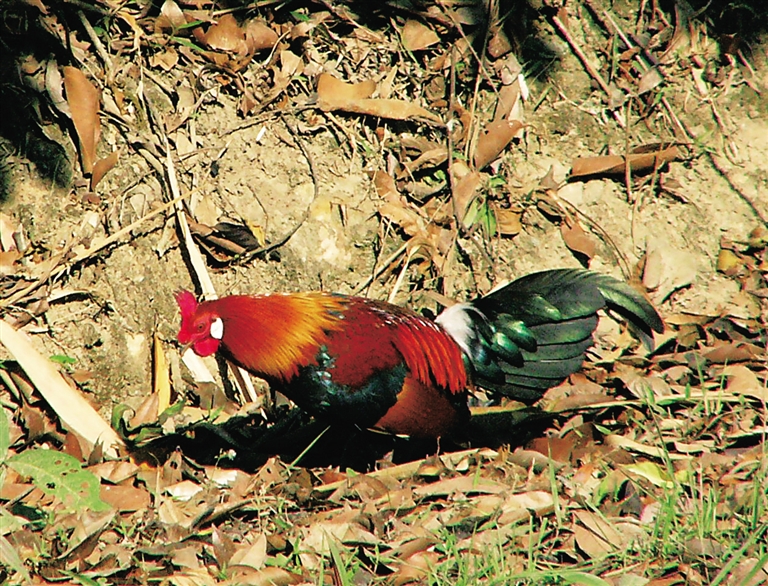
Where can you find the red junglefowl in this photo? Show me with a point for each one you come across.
(373, 364)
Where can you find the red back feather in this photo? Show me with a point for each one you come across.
(378, 335)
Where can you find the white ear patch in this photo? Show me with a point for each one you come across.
(217, 329)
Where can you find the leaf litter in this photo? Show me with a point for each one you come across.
(638, 443)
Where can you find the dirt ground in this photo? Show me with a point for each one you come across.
(647, 467)
(104, 312)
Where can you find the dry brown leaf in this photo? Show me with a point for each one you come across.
(102, 167)
(499, 44)
(146, 412)
(7, 260)
(385, 185)
(743, 381)
(668, 269)
(125, 498)
(728, 352)
(171, 16)
(404, 216)
(494, 139)
(465, 185)
(749, 572)
(576, 239)
(617, 164)
(517, 507)
(115, 471)
(334, 91)
(334, 94)
(601, 536)
(316, 537)
(89, 524)
(509, 222)
(508, 106)
(269, 576)
(416, 36)
(252, 554)
(431, 158)
(166, 59)
(650, 80)
(459, 484)
(226, 35)
(258, 36)
(392, 109)
(11, 233)
(416, 568)
(83, 99)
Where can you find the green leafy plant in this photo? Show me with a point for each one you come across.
(60, 475)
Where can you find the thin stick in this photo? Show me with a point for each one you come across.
(563, 30)
(384, 267)
(100, 49)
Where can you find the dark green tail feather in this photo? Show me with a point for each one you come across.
(558, 309)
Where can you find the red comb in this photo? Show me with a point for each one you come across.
(187, 303)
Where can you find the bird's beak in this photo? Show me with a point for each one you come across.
(185, 347)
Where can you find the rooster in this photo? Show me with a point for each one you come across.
(373, 364)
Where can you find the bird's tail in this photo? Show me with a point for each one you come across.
(533, 333)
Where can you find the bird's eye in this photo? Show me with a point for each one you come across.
(200, 326)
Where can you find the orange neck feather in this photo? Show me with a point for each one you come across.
(273, 335)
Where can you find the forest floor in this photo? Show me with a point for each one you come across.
(393, 153)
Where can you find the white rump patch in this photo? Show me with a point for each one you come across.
(456, 321)
(217, 329)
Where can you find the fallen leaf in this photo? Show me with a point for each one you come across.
(115, 471)
(668, 269)
(509, 222)
(334, 91)
(493, 139)
(749, 572)
(7, 260)
(226, 35)
(269, 576)
(465, 187)
(733, 352)
(416, 36)
(743, 381)
(184, 490)
(11, 234)
(459, 484)
(166, 59)
(638, 161)
(83, 99)
(252, 554)
(601, 536)
(728, 262)
(334, 94)
(576, 239)
(258, 36)
(125, 498)
(173, 15)
(102, 167)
